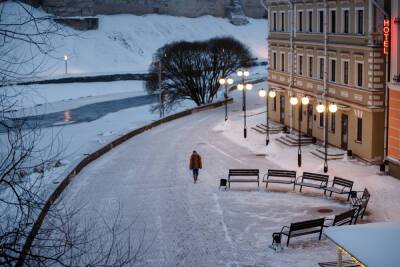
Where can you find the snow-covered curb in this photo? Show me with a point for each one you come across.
(95, 155)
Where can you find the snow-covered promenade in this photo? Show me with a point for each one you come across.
(186, 224)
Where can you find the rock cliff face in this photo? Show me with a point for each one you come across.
(187, 8)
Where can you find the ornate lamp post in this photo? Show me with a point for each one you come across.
(332, 108)
(244, 87)
(271, 94)
(226, 82)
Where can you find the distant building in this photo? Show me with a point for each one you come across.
(394, 92)
(334, 55)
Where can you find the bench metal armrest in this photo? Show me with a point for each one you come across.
(264, 177)
(284, 228)
(298, 178)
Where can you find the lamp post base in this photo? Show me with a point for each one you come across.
(299, 160)
(245, 133)
(325, 167)
(267, 142)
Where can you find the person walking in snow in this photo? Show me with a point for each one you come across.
(195, 164)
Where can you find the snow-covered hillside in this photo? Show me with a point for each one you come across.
(126, 43)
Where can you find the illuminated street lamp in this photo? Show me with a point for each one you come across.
(244, 87)
(226, 82)
(66, 63)
(332, 108)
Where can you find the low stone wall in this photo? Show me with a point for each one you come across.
(92, 157)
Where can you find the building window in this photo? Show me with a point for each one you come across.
(274, 104)
(321, 68)
(346, 21)
(300, 21)
(310, 21)
(345, 72)
(333, 21)
(359, 129)
(282, 22)
(321, 119)
(321, 21)
(359, 74)
(282, 62)
(333, 70)
(274, 60)
(310, 67)
(360, 21)
(300, 65)
(274, 21)
(333, 122)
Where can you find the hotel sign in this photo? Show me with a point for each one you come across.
(386, 36)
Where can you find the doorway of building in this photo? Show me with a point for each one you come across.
(282, 109)
(345, 131)
(309, 119)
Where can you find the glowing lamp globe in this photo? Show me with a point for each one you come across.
(320, 108)
(249, 86)
(305, 100)
(240, 73)
(65, 57)
(246, 73)
(262, 93)
(333, 108)
(240, 87)
(294, 101)
(272, 94)
(222, 81)
(229, 81)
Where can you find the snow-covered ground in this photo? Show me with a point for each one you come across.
(125, 43)
(188, 224)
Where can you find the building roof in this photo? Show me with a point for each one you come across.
(374, 244)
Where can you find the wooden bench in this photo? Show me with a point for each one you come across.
(360, 203)
(345, 263)
(340, 186)
(303, 228)
(342, 218)
(314, 180)
(243, 173)
(284, 177)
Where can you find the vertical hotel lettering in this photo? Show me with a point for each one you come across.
(386, 34)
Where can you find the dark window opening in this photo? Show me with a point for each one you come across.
(282, 22)
(310, 67)
(333, 122)
(300, 21)
(346, 21)
(360, 21)
(310, 21)
(321, 21)
(333, 21)
(346, 72)
(359, 74)
(321, 68)
(321, 119)
(300, 65)
(359, 129)
(333, 70)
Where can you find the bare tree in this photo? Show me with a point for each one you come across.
(27, 157)
(191, 70)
